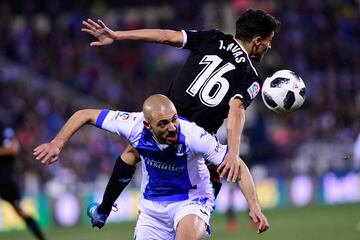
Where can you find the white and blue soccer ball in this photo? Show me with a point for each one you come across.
(283, 92)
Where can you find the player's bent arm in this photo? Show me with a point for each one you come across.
(48, 153)
(74, 123)
(163, 36)
(235, 125)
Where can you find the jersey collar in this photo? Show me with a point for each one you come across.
(247, 55)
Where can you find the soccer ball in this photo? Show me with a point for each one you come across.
(283, 92)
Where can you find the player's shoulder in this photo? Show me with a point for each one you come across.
(188, 127)
(219, 35)
(191, 130)
(252, 70)
(119, 119)
(208, 34)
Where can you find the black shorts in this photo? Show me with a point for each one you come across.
(9, 191)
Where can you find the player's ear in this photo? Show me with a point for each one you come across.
(257, 40)
(147, 124)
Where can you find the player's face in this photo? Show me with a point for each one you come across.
(164, 125)
(261, 47)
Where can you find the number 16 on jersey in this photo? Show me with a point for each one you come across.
(210, 82)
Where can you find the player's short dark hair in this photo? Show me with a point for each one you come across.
(254, 23)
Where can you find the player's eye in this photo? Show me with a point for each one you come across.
(162, 124)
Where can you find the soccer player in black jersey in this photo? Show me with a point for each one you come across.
(218, 81)
(9, 190)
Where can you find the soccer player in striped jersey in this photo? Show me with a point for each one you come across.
(177, 197)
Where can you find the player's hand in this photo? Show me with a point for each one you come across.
(99, 30)
(230, 167)
(47, 153)
(259, 220)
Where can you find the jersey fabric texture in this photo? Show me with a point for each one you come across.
(217, 70)
(170, 172)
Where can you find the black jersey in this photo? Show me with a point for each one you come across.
(217, 70)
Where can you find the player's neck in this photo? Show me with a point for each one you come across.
(247, 46)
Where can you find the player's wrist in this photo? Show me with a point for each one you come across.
(58, 143)
(254, 206)
(233, 152)
(119, 35)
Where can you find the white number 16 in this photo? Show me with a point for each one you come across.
(209, 79)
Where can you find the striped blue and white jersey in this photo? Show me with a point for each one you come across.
(170, 172)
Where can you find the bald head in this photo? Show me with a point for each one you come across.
(157, 104)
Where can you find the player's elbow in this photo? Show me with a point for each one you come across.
(171, 37)
(86, 116)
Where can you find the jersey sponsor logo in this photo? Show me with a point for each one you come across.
(254, 89)
(171, 167)
(123, 116)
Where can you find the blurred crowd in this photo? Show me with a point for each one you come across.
(48, 71)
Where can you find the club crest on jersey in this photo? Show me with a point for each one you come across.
(254, 89)
(123, 116)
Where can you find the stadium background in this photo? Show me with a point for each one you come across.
(302, 162)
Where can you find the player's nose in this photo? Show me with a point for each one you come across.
(171, 127)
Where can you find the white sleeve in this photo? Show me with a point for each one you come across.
(120, 123)
(208, 146)
(184, 38)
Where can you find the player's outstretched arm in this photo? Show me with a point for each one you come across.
(248, 188)
(235, 125)
(106, 36)
(48, 153)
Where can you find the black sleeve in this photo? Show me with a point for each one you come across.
(248, 89)
(195, 38)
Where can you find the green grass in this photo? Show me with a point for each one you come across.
(341, 222)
